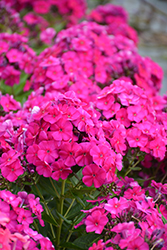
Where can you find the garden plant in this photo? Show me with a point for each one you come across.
(83, 131)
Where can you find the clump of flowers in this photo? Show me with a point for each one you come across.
(116, 20)
(9, 18)
(71, 10)
(85, 56)
(17, 214)
(15, 56)
(128, 218)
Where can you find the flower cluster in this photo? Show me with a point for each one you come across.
(91, 113)
(116, 19)
(128, 218)
(131, 119)
(9, 18)
(86, 55)
(15, 55)
(17, 213)
(72, 10)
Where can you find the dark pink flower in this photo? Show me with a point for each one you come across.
(99, 153)
(60, 170)
(96, 222)
(43, 168)
(68, 152)
(93, 174)
(115, 206)
(47, 151)
(12, 171)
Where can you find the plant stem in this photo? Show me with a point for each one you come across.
(60, 210)
(47, 210)
(69, 207)
(54, 188)
(131, 168)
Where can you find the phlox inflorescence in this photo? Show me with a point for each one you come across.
(17, 213)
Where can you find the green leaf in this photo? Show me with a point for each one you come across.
(136, 168)
(75, 211)
(71, 246)
(60, 215)
(86, 240)
(18, 88)
(49, 219)
(163, 218)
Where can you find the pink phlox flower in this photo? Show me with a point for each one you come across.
(43, 168)
(60, 83)
(5, 236)
(14, 55)
(162, 188)
(121, 116)
(10, 198)
(86, 68)
(83, 156)
(127, 99)
(118, 161)
(158, 147)
(9, 157)
(136, 193)
(46, 244)
(96, 222)
(114, 109)
(115, 206)
(39, 74)
(125, 228)
(12, 224)
(41, 7)
(93, 174)
(99, 153)
(147, 128)
(47, 35)
(12, 171)
(110, 168)
(154, 220)
(143, 206)
(37, 209)
(3, 47)
(60, 170)
(43, 131)
(118, 127)
(31, 133)
(47, 151)
(24, 216)
(9, 103)
(32, 154)
(70, 112)
(99, 246)
(81, 43)
(3, 219)
(68, 152)
(50, 61)
(100, 73)
(137, 243)
(106, 102)
(27, 64)
(83, 120)
(135, 113)
(54, 72)
(70, 58)
(62, 130)
(118, 143)
(136, 138)
(53, 115)
(33, 234)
